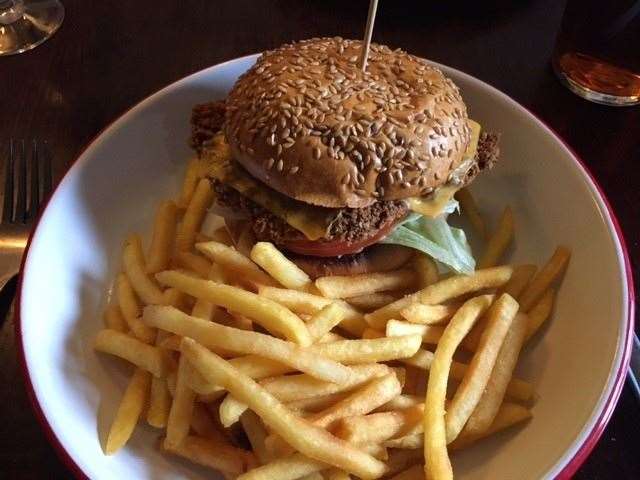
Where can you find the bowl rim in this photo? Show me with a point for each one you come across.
(571, 465)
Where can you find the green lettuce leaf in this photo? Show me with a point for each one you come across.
(433, 236)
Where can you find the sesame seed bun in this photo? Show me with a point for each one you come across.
(309, 123)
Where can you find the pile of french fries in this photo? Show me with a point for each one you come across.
(249, 367)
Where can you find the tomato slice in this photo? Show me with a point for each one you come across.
(335, 248)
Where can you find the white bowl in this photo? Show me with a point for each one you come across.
(578, 366)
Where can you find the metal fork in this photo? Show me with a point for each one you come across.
(27, 184)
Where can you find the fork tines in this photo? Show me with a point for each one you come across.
(27, 181)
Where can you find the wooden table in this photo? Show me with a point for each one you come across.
(110, 54)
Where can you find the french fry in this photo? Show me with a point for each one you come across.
(315, 404)
(372, 301)
(487, 409)
(470, 209)
(509, 414)
(308, 303)
(498, 241)
(438, 465)
(376, 428)
(129, 411)
(131, 310)
(230, 411)
(429, 333)
(539, 313)
(360, 402)
(193, 215)
(205, 309)
(426, 268)
(181, 411)
(289, 468)
(369, 351)
(517, 389)
(232, 260)
(212, 335)
(211, 453)
(279, 267)
(458, 285)
(175, 298)
(545, 277)
(429, 314)
(191, 178)
(159, 396)
(193, 262)
(113, 318)
(441, 292)
(142, 355)
(289, 388)
(308, 439)
(323, 322)
(401, 402)
(522, 274)
(258, 367)
(256, 434)
(252, 365)
(271, 315)
(299, 302)
(378, 318)
(159, 403)
(195, 381)
(470, 390)
(164, 232)
(134, 267)
(415, 472)
(365, 283)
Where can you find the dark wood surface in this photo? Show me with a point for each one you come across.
(110, 54)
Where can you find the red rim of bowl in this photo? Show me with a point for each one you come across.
(569, 468)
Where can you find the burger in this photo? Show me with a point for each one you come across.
(346, 171)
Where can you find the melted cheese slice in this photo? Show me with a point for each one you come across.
(433, 205)
(312, 221)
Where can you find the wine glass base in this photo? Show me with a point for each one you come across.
(593, 95)
(35, 22)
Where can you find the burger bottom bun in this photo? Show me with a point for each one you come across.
(376, 258)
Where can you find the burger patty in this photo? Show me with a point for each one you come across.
(350, 224)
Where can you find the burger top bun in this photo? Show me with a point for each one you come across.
(309, 123)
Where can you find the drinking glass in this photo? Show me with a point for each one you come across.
(597, 52)
(25, 24)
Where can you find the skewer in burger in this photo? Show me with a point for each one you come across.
(346, 171)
